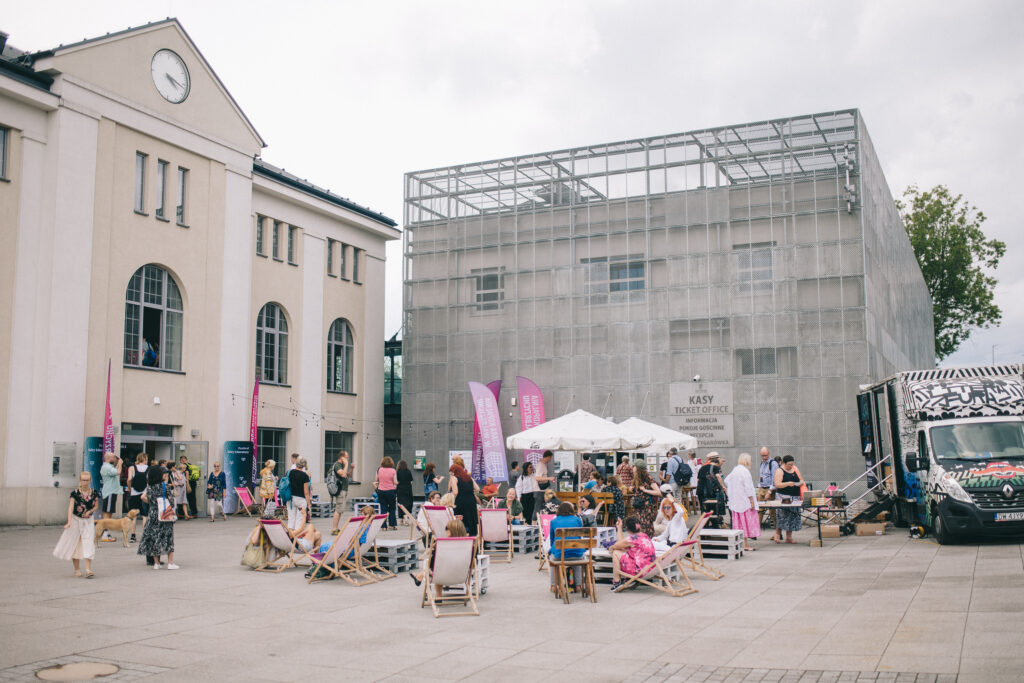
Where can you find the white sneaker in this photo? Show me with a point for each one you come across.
(156, 566)
(173, 566)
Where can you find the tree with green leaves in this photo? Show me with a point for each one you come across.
(956, 259)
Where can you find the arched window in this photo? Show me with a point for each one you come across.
(272, 345)
(152, 320)
(339, 357)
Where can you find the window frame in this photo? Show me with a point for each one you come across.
(279, 333)
(278, 451)
(292, 231)
(259, 236)
(160, 210)
(751, 277)
(170, 353)
(139, 199)
(330, 257)
(275, 246)
(343, 261)
(601, 288)
(331, 449)
(182, 187)
(5, 143)
(347, 347)
(481, 294)
(356, 277)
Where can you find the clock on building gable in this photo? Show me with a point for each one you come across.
(170, 76)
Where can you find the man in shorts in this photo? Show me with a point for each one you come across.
(342, 470)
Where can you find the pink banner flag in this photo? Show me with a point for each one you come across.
(477, 463)
(252, 426)
(491, 440)
(108, 424)
(531, 411)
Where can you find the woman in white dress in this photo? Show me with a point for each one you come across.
(742, 495)
(78, 541)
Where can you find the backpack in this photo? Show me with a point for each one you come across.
(284, 489)
(682, 474)
(333, 485)
(707, 486)
(139, 481)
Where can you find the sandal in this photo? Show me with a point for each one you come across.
(414, 579)
(78, 575)
(89, 575)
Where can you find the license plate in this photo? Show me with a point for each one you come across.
(1010, 516)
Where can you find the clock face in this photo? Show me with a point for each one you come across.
(170, 76)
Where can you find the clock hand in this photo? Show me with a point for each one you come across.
(173, 82)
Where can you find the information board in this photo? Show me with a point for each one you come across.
(703, 410)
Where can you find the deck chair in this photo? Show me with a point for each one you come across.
(654, 575)
(414, 523)
(583, 538)
(281, 547)
(496, 529)
(695, 555)
(340, 561)
(544, 524)
(451, 565)
(437, 517)
(371, 568)
(246, 502)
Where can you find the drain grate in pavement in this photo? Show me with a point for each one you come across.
(77, 668)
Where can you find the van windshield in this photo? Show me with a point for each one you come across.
(978, 441)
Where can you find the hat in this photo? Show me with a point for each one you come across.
(666, 488)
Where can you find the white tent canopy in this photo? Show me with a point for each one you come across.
(659, 439)
(576, 431)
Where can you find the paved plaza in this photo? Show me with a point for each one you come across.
(885, 608)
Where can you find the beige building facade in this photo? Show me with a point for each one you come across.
(143, 229)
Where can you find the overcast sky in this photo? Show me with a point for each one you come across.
(353, 95)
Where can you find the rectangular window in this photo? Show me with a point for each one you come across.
(182, 186)
(330, 257)
(5, 134)
(334, 442)
(766, 361)
(275, 248)
(259, 235)
(699, 333)
(357, 257)
(343, 262)
(615, 279)
(490, 289)
(161, 189)
(140, 182)
(291, 244)
(755, 266)
(270, 445)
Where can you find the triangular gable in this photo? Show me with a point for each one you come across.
(121, 64)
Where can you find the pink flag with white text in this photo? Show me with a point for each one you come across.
(252, 426)
(108, 425)
(488, 420)
(531, 411)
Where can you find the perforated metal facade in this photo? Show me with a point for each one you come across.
(768, 255)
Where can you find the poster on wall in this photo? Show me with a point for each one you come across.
(94, 459)
(238, 462)
(467, 457)
(704, 410)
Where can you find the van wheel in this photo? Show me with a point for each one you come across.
(939, 529)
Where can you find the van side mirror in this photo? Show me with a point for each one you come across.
(917, 463)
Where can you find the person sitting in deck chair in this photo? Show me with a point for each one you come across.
(455, 529)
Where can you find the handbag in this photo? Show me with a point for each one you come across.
(641, 500)
(254, 556)
(165, 509)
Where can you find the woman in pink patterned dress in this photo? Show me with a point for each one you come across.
(631, 552)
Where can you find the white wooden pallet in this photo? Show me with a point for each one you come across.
(722, 543)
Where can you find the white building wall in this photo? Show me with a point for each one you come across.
(312, 355)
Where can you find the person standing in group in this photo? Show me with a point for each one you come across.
(430, 479)
(178, 483)
(215, 485)
(294, 461)
(625, 474)
(513, 475)
(766, 483)
(711, 489)
(743, 501)
(544, 479)
(137, 478)
(465, 494)
(110, 480)
(387, 490)
(787, 484)
(585, 470)
(677, 473)
(692, 462)
(299, 505)
(158, 535)
(646, 495)
(78, 542)
(342, 473)
(194, 475)
(268, 483)
(526, 487)
(618, 506)
(403, 478)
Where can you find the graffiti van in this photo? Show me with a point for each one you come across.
(947, 446)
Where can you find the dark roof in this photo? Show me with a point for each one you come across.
(279, 174)
(85, 41)
(25, 74)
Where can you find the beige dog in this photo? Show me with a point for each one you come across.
(126, 525)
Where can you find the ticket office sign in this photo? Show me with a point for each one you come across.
(704, 410)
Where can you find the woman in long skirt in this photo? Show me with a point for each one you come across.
(157, 536)
(742, 496)
(78, 541)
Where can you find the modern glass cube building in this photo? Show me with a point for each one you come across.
(737, 283)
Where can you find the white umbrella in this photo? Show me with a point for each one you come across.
(659, 439)
(576, 431)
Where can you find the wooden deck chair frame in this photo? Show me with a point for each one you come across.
(695, 557)
(414, 524)
(372, 569)
(340, 561)
(242, 505)
(493, 529)
(544, 522)
(437, 517)
(654, 575)
(443, 550)
(281, 544)
(575, 538)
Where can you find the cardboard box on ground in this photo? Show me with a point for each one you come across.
(870, 528)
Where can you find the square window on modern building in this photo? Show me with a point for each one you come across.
(614, 279)
(755, 266)
(490, 289)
